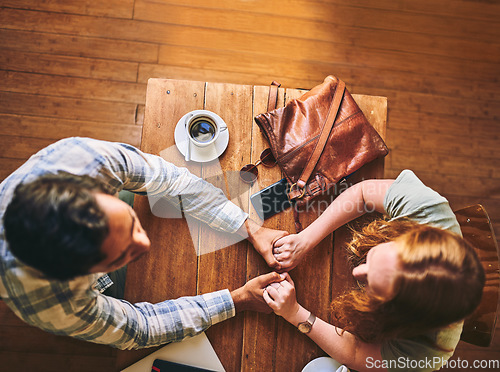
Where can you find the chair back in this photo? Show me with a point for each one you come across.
(476, 228)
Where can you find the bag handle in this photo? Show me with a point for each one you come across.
(272, 100)
(297, 190)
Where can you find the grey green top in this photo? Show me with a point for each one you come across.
(409, 197)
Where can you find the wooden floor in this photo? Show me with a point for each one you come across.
(80, 68)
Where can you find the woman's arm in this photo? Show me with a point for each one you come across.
(343, 347)
(366, 196)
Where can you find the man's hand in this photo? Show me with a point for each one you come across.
(250, 296)
(290, 250)
(263, 240)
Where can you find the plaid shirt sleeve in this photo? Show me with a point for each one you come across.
(76, 308)
(125, 167)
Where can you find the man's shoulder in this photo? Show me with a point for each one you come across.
(28, 292)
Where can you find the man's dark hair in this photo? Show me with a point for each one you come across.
(55, 225)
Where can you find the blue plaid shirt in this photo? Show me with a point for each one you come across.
(76, 307)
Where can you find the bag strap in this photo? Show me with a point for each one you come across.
(272, 100)
(296, 219)
(298, 189)
(272, 103)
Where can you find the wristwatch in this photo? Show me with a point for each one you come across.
(305, 327)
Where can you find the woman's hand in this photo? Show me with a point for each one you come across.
(289, 251)
(281, 298)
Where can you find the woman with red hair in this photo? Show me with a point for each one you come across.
(418, 279)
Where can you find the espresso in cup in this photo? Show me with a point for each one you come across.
(202, 129)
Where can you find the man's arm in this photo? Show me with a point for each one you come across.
(106, 320)
(174, 320)
(150, 175)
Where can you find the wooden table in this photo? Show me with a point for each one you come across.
(249, 341)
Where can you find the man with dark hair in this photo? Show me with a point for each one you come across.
(64, 228)
(55, 224)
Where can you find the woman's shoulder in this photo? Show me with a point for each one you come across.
(409, 197)
(431, 347)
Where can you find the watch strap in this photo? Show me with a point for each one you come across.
(307, 324)
(311, 319)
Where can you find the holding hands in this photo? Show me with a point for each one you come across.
(289, 251)
(281, 251)
(263, 240)
(282, 299)
(250, 296)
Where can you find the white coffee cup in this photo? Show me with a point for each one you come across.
(203, 127)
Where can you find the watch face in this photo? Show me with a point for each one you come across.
(304, 327)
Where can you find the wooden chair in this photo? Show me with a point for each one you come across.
(478, 231)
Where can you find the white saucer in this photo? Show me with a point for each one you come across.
(201, 154)
(322, 364)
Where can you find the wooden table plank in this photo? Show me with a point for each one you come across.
(226, 267)
(169, 101)
(312, 281)
(172, 259)
(260, 329)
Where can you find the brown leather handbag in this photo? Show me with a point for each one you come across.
(319, 139)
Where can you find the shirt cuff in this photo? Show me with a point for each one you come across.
(220, 305)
